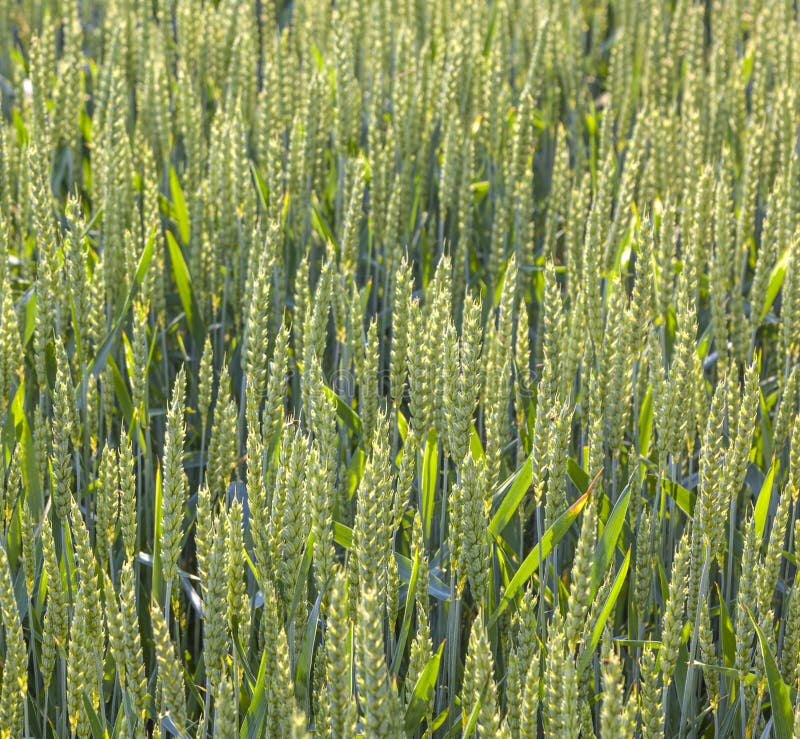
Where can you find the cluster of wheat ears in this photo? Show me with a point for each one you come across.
(399, 368)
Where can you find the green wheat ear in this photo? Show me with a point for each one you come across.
(650, 693)
(379, 700)
(174, 484)
(223, 447)
(170, 676)
(107, 503)
(673, 618)
(479, 690)
(225, 709)
(617, 716)
(238, 613)
(126, 481)
(56, 617)
(15, 682)
(131, 665)
(215, 632)
(281, 704)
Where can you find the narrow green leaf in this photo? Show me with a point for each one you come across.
(604, 550)
(345, 413)
(167, 724)
(775, 283)
(98, 732)
(730, 718)
(249, 681)
(402, 424)
(685, 499)
(430, 472)
(530, 564)
(355, 471)
(183, 281)
(179, 206)
(779, 697)
(479, 189)
(99, 361)
(472, 720)
(407, 612)
(318, 58)
(30, 315)
(122, 394)
(511, 492)
(646, 422)
(262, 189)
(436, 587)
(423, 692)
(746, 68)
(578, 476)
(257, 710)
(749, 677)
(681, 670)
(649, 643)
(302, 672)
(301, 581)
(439, 720)
(24, 436)
(343, 535)
(321, 228)
(727, 633)
(475, 446)
(764, 496)
(118, 722)
(181, 273)
(605, 612)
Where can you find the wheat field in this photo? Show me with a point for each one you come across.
(399, 368)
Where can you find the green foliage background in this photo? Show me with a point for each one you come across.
(399, 368)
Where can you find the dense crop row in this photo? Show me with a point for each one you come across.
(399, 368)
